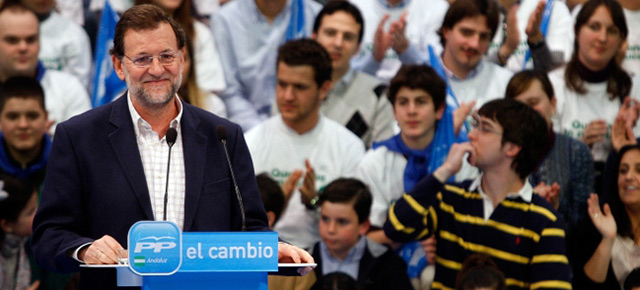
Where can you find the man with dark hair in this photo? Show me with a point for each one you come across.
(356, 100)
(19, 47)
(344, 220)
(25, 144)
(107, 170)
(302, 138)
(495, 214)
(466, 33)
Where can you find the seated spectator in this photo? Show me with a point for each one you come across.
(18, 204)
(592, 88)
(356, 100)
(272, 197)
(479, 272)
(565, 176)
(497, 213)
(466, 33)
(191, 93)
(273, 201)
(344, 220)
(25, 143)
(618, 223)
(395, 165)
(248, 33)
(64, 45)
(65, 96)
(301, 139)
(397, 32)
(208, 68)
(633, 280)
(533, 34)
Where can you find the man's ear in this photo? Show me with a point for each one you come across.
(6, 226)
(511, 149)
(314, 36)
(118, 67)
(364, 227)
(440, 111)
(324, 90)
(271, 217)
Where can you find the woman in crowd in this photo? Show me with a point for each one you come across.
(592, 87)
(206, 59)
(565, 176)
(618, 252)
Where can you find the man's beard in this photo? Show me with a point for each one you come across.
(149, 100)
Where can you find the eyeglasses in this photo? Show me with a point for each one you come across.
(476, 123)
(164, 58)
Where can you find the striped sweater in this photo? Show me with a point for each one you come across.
(526, 240)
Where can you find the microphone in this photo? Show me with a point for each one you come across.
(221, 132)
(171, 137)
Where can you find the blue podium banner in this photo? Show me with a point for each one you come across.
(235, 251)
(159, 248)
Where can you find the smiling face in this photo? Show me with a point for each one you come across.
(339, 228)
(598, 40)
(23, 122)
(338, 34)
(629, 179)
(416, 115)
(156, 85)
(466, 43)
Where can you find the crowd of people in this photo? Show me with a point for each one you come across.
(405, 144)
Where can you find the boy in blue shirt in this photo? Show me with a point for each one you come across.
(344, 221)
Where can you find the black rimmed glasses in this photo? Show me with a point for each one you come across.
(483, 127)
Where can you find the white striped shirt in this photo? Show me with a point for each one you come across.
(155, 153)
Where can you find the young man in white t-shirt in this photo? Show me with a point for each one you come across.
(300, 139)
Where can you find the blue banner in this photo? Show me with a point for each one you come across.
(160, 248)
(106, 84)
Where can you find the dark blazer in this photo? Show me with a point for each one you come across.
(95, 185)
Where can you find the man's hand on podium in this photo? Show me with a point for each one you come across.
(288, 253)
(102, 251)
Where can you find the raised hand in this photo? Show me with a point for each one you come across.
(602, 219)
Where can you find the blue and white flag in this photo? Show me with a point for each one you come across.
(106, 84)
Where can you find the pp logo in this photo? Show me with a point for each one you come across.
(155, 248)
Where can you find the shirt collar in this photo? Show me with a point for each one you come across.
(472, 73)
(355, 254)
(344, 82)
(526, 192)
(139, 121)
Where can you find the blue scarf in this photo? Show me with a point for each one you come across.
(295, 28)
(421, 163)
(24, 173)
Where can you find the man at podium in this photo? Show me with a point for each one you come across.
(145, 156)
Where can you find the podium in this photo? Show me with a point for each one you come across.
(160, 256)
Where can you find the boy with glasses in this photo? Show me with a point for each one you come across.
(495, 214)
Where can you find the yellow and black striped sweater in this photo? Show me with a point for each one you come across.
(525, 239)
